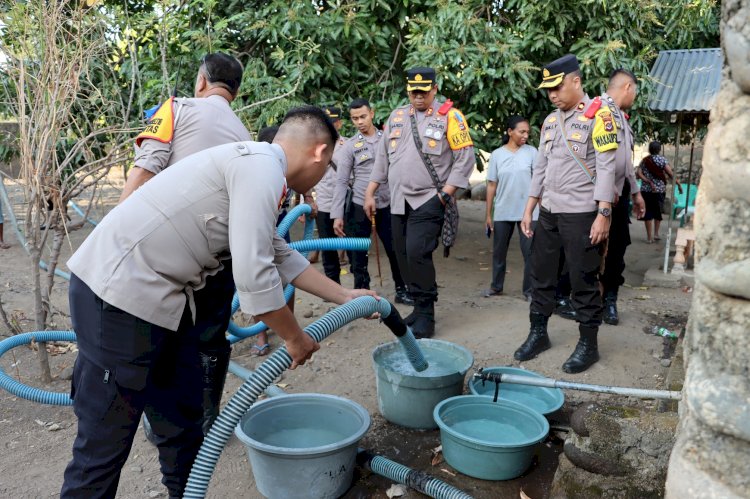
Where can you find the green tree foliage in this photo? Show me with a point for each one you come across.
(488, 54)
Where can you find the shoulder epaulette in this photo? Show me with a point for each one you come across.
(596, 103)
(445, 107)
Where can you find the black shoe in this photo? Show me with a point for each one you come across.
(423, 327)
(586, 353)
(409, 319)
(403, 296)
(537, 341)
(610, 309)
(424, 321)
(565, 309)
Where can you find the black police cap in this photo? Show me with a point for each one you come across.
(554, 72)
(420, 79)
(334, 113)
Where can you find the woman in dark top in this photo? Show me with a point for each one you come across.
(653, 172)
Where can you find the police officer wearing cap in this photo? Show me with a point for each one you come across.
(178, 129)
(133, 286)
(426, 142)
(354, 161)
(574, 183)
(324, 200)
(619, 97)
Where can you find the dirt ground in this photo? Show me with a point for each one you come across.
(35, 440)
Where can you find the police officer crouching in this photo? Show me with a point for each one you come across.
(573, 180)
(426, 155)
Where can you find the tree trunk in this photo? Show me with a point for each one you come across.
(40, 317)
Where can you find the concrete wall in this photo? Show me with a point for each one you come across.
(711, 457)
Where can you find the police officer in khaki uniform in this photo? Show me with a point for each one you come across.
(324, 201)
(134, 282)
(424, 130)
(180, 128)
(354, 161)
(619, 97)
(573, 180)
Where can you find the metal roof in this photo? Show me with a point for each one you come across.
(686, 80)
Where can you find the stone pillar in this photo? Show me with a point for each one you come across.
(711, 457)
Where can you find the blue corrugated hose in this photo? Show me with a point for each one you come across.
(28, 392)
(265, 374)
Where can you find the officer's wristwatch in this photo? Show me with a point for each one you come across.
(605, 212)
(444, 196)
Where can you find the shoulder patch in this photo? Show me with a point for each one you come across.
(604, 135)
(458, 131)
(161, 126)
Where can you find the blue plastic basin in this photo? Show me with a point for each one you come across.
(486, 439)
(542, 400)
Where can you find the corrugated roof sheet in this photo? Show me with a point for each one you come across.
(686, 80)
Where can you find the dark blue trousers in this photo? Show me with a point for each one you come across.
(127, 366)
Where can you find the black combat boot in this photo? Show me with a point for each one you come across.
(424, 321)
(610, 308)
(403, 296)
(564, 308)
(586, 353)
(537, 341)
(215, 364)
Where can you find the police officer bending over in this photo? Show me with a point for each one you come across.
(133, 285)
(426, 155)
(573, 179)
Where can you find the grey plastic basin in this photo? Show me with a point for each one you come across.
(303, 446)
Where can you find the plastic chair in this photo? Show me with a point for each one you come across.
(684, 203)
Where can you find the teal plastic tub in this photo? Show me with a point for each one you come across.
(407, 397)
(303, 446)
(543, 400)
(489, 440)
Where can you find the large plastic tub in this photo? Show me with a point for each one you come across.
(406, 397)
(541, 399)
(303, 446)
(486, 439)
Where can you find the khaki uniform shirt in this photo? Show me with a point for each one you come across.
(624, 160)
(398, 162)
(558, 178)
(199, 123)
(355, 159)
(324, 189)
(151, 252)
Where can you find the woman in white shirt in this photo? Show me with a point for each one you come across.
(508, 183)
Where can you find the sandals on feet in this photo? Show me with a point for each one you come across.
(260, 351)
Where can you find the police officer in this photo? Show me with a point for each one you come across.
(181, 127)
(619, 97)
(133, 285)
(423, 140)
(574, 175)
(324, 201)
(354, 162)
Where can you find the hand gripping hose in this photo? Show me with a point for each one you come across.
(417, 480)
(265, 374)
(27, 392)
